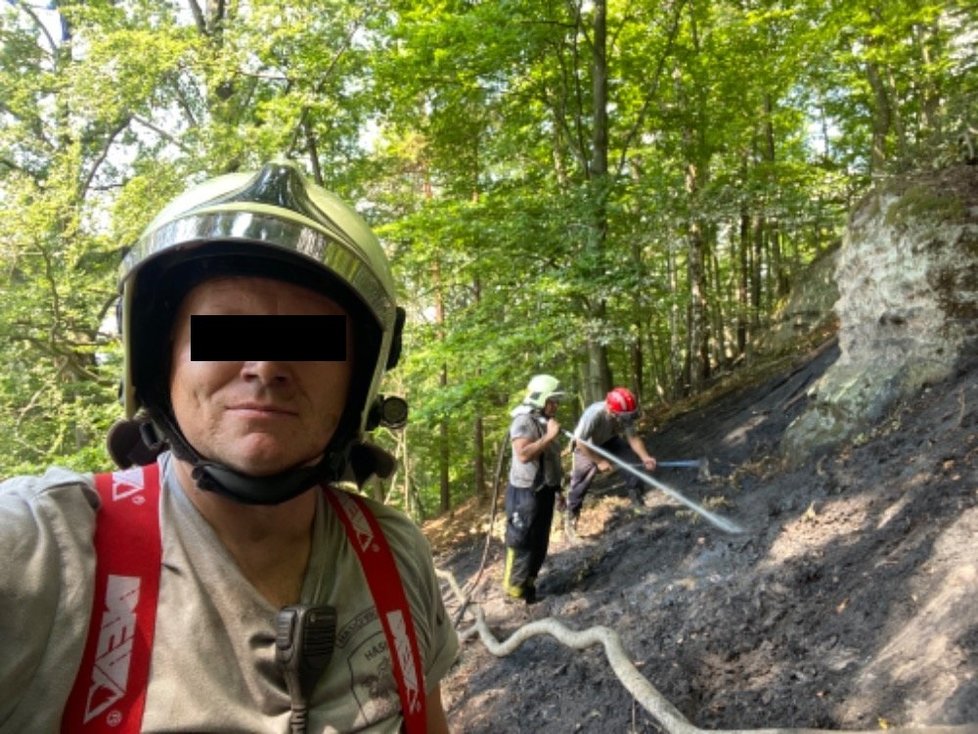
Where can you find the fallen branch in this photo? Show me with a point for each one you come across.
(464, 597)
(664, 713)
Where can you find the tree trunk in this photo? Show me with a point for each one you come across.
(444, 453)
(720, 356)
(699, 367)
(757, 271)
(599, 372)
(402, 452)
(678, 377)
(478, 428)
(479, 464)
(882, 117)
(444, 460)
(638, 361)
(743, 282)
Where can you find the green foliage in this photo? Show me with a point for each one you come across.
(60, 368)
(738, 135)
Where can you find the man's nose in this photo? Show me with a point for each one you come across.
(266, 372)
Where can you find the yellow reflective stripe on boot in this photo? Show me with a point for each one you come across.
(514, 591)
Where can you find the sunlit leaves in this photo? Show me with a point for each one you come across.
(464, 131)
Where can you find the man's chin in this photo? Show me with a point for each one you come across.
(261, 454)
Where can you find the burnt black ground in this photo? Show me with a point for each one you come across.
(850, 601)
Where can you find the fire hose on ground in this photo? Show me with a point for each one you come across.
(644, 693)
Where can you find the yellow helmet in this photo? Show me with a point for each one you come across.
(542, 388)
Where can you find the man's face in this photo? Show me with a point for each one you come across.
(258, 417)
(550, 408)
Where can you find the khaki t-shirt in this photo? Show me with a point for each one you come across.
(213, 666)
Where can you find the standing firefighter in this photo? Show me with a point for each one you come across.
(534, 481)
(602, 424)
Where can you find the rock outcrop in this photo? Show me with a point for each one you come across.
(808, 309)
(907, 275)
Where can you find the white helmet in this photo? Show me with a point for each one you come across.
(541, 389)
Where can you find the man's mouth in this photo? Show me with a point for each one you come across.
(260, 408)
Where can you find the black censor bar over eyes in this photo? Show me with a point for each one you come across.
(242, 338)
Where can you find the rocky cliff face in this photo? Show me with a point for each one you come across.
(907, 275)
(808, 309)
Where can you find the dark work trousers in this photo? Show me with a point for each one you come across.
(584, 470)
(528, 517)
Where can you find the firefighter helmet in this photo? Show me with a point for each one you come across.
(542, 388)
(622, 402)
(271, 223)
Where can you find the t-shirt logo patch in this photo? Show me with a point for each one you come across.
(372, 679)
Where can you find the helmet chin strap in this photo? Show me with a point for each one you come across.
(271, 490)
(212, 476)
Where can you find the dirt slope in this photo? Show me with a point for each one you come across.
(851, 601)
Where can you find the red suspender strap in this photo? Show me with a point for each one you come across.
(378, 566)
(110, 689)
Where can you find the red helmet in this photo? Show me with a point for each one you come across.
(621, 401)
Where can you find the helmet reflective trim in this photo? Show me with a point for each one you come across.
(290, 237)
(275, 207)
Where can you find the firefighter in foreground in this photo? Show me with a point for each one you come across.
(534, 481)
(603, 424)
(268, 612)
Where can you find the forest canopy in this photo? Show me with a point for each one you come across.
(610, 192)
